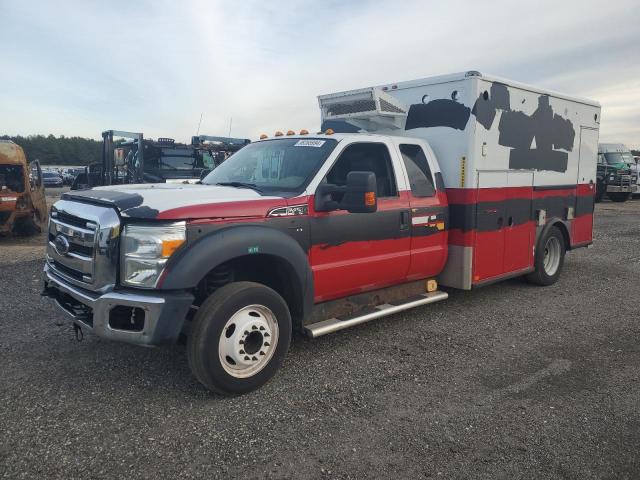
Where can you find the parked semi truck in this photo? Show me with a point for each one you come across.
(23, 208)
(617, 175)
(460, 180)
(128, 157)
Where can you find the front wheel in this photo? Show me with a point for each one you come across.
(549, 258)
(619, 196)
(239, 338)
(600, 191)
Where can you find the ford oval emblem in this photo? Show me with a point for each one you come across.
(61, 244)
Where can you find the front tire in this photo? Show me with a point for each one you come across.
(600, 191)
(549, 258)
(239, 338)
(619, 196)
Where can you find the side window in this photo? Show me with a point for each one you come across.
(366, 157)
(420, 178)
(601, 159)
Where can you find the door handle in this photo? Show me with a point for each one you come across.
(404, 220)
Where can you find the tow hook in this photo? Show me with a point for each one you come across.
(78, 332)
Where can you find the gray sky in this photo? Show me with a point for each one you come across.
(80, 67)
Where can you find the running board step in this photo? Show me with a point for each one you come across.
(331, 325)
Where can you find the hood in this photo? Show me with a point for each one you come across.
(163, 201)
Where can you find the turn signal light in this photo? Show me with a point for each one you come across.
(263, 136)
(328, 131)
(369, 199)
(432, 286)
(170, 246)
(304, 132)
(279, 133)
(290, 132)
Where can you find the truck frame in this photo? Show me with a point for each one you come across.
(460, 180)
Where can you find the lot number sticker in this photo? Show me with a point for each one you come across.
(309, 143)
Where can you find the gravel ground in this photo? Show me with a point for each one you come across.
(509, 381)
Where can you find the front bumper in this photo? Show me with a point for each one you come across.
(622, 188)
(142, 318)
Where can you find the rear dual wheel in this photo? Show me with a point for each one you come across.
(549, 258)
(239, 338)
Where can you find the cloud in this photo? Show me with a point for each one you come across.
(155, 66)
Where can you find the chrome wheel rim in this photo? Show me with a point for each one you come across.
(248, 341)
(552, 253)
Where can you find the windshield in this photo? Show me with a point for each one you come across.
(615, 157)
(50, 174)
(284, 165)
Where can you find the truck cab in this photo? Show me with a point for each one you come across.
(617, 172)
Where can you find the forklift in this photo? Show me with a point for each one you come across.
(127, 157)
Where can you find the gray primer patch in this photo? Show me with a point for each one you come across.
(517, 130)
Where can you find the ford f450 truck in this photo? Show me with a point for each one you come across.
(460, 180)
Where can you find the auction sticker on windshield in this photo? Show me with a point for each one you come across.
(309, 143)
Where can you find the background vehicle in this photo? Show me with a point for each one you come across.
(23, 208)
(52, 179)
(617, 175)
(128, 158)
(430, 181)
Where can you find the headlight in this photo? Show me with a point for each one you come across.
(145, 250)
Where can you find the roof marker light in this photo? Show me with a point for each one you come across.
(328, 131)
(263, 136)
(304, 132)
(279, 133)
(290, 132)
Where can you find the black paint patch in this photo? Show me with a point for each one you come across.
(552, 160)
(485, 110)
(339, 126)
(438, 113)
(129, 204)
(550, 131)
(491, 216)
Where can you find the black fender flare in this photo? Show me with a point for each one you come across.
(552, 222)
(190, 265)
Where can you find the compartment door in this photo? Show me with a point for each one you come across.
(519, 230)
(582, 225)
(488, 251)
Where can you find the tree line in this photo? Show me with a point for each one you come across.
(52, 150)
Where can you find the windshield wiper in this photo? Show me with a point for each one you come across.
(252, 186)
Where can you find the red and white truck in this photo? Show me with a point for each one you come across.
(459, 180)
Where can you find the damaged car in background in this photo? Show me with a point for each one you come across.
(23, 208)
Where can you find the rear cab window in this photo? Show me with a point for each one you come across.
(418, 170)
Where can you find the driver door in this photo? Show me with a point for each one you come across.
(356, 252)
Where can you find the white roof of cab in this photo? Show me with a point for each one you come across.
(474, 75)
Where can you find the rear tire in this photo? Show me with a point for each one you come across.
(239, 338)
(618, 196)
(549, 258)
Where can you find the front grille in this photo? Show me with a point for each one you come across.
(83, 244)
(71, 220)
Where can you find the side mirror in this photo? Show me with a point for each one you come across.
(358, 195)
